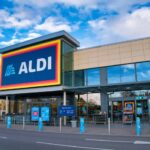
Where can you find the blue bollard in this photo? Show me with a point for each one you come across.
(40, 124)
(8, 122)
(82, 125)
(138, 126)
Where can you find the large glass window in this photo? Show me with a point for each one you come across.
(113, 74)
(143, 71)
(94, 103)
(121, 74)
(82, 105)
(93, 76)
(2, 108)
(89, 106)
(79, 78)
(127, 73)
(68, 78)
(114, 94)
(67, 64)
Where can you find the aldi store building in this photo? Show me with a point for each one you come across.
(50, 71)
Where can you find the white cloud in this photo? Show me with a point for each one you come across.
(15, 40)
(16, 20)
(53, 24)
(145, 74)
(47, 3)
(32, 35)
(87, 41)
(116, 5)
(11, 42)
(28, 15)
(1, 35)
(129, 26)
(123, 6)
(129, 66)
(81, 3)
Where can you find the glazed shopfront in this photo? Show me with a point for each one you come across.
(34, 74)
(125, 106)
(50, 72)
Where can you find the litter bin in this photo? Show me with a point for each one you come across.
(73, 123)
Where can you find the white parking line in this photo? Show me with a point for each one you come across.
(103, 140)
(72, 146)
(3, 137)
(142, 142)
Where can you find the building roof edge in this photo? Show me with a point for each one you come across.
(50, 36)
(109, 44)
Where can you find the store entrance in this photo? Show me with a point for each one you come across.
(142, 110)
(51, 103)
(117, 108)
(127, 110)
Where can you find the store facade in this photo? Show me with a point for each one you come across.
(105, 81)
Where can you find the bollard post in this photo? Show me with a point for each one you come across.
(60, 124)
(109, 126)
(23, 122)
(82, 125)
(8, 122)
(40, 124)
(138, 126)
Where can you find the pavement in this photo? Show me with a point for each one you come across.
(12, 139)
(101, 129)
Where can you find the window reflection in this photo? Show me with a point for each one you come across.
(93, 76)
(68, 78)
(89, 105)
(127, 73)
(129, 93)
(82, 105)
(115, 94)
(94, 104)
(113, 74)
(79, 78)
(121, 74)
(143, 71)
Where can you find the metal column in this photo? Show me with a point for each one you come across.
(104, 102)
(149, 109)
(7, 105)
(64, 103)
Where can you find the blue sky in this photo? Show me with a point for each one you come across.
(91, 22)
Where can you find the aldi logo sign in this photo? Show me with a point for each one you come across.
(10, 70)
(34, 66)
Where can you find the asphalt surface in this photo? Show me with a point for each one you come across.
(11, 139)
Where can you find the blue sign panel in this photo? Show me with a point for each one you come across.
(37, 65)
(45, 113)
(35, 114)
(66, 111)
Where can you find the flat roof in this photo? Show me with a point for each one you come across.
(51, 36)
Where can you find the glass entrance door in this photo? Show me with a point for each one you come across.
(117, 111)
(143, 106)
